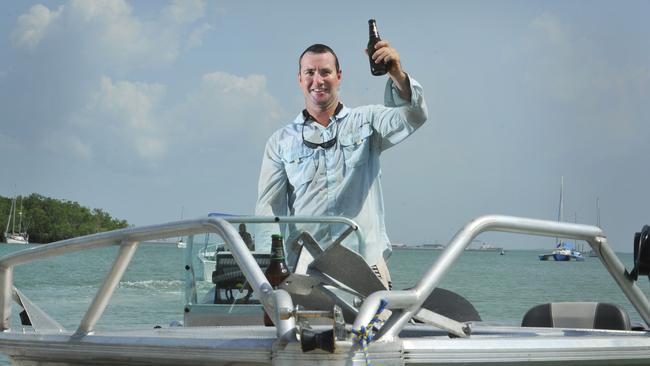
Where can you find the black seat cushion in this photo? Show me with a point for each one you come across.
(587, 315)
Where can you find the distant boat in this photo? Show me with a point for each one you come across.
(13, 237)
(485, 247)
(503, 252)
(180, 244)
(562, 253)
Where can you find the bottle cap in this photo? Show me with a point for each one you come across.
(276, 236)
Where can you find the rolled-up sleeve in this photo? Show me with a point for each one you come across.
(399, 118)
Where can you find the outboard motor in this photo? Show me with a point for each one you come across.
(641, 254)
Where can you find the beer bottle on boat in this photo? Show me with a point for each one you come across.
(277, 270)
(376, 68)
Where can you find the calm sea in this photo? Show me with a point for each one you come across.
(501, 287)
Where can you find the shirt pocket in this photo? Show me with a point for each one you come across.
(300, 165)
(356, 146)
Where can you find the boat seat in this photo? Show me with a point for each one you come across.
(585, 315)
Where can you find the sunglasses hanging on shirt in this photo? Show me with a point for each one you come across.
(327, 144)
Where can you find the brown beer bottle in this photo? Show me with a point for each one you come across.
(376, 68)
(277, 270)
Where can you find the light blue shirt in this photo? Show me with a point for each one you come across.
(343, 180)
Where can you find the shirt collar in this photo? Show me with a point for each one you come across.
(340, 112)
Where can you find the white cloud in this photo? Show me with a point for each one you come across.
(110, 36)
(121, 119)
(32, 27)
(130, 102)
(195, 39)
(106, 116)
(105, 11)
(133, 121)
(185, 11)
(224, 104)
(64, 142)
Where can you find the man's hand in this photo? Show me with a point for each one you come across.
(388, 55)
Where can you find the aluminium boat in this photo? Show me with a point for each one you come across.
(332, 310)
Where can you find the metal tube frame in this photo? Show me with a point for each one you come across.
(274, 301)
(407, 303)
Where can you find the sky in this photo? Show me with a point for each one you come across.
(147, 109)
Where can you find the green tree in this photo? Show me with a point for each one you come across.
(48, 219)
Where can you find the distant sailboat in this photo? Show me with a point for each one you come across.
(13, 237)
(563, 251)
(180, 243)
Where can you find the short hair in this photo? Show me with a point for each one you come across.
(319, 48)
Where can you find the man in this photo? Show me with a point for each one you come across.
(326, 162)
(246, 237)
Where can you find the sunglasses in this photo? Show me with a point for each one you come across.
(327, 144)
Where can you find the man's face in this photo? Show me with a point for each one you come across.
(319, 79)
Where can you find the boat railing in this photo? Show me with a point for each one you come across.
(405, 304)
(128, 240)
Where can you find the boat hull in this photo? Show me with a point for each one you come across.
(16, 240)
(561, 257)
(257, 345)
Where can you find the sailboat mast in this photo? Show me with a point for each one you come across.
(13, 217)
(11, 210)
(560, 211)
(20, 216)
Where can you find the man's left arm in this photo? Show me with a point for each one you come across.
(389, 55)
(404, 109)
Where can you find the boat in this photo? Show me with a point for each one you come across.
(562, 253)
(332, 309)
(20, 236)
(180, 243)
(485, 247)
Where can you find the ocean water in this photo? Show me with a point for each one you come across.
(501, 287)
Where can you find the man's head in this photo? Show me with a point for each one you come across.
(242, 227)
(319, 48)
(319, 75)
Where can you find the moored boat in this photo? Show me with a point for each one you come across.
(20, 236)
(563, 252)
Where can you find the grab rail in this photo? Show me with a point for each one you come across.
(273, 301)
(128, 240)
(408, 302)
